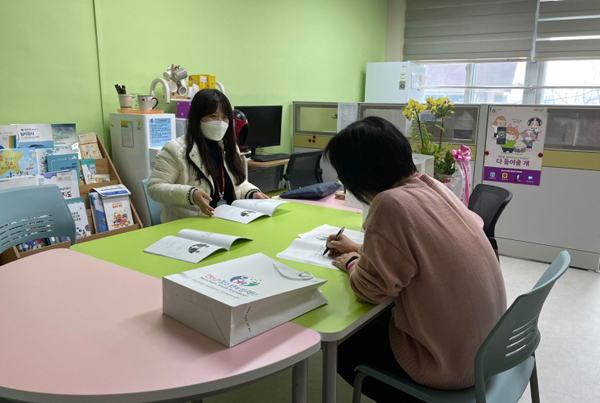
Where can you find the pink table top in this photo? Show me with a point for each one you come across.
(78, 329)
(329, 201)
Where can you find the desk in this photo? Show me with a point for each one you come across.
(79, 329)
(266, 176)
(334, 321)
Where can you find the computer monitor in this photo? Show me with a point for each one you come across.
(264, 126)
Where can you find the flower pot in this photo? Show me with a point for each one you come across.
(453, 182)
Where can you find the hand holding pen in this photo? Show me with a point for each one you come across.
(340, 232)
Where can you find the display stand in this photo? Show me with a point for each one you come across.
(103, 166)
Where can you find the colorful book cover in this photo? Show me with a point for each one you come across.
(88, 146)
(97, 212)
(118, 212)
(17, 182)
(42, 154)
(34, 135)
(8, 136)
(62, 162)
(79, 212)
(17, 162)
(31, 245)
(117, 208)
(66, 181)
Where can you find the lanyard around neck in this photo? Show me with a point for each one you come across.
(221, 190)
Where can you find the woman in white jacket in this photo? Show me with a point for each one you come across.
(203, 169)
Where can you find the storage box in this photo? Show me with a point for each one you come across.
(235, 300)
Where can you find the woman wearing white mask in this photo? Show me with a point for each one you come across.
(203, 169)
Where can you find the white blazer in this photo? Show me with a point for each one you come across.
(173, 177)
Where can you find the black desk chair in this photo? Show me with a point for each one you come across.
(303, 170)
(488, 202)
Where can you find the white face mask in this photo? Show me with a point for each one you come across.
(214, 130)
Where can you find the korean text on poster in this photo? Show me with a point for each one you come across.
(160, 131)
(515, 145)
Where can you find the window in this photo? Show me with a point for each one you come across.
(503, 75)
(454, 74)
(572, 73)
(474, 82)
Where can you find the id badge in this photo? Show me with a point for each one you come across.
(221, 202)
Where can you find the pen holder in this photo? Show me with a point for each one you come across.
(125, 100)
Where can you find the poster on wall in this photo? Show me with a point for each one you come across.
(515, 144)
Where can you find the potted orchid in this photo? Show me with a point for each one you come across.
(438, 109)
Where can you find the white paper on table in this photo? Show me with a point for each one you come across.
(222, 240)
(355, 236)
(310, 250)
(192, 245)
(247, 210)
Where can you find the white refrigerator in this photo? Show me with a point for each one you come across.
(394, 82)
(135, 141)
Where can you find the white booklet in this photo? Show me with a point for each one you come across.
(309, 247)
(192, 245)
(247, 210)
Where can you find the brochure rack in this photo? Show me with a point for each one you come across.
(103, 166)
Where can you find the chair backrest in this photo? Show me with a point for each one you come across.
(34, 212)
(516, 336)
(488, 202)
(153, 206)
(303, 170)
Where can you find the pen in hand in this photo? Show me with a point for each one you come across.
(340, 232)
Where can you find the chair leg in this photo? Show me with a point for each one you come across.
(357, 391)
(533, 385)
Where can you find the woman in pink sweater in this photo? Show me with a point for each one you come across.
(424, 249)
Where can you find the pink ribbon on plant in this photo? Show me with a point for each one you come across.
(462, 158)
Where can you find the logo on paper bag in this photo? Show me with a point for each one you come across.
(245, 281)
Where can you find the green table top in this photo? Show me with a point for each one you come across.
(271, 235)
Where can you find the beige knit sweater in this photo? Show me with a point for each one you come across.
(424, 248)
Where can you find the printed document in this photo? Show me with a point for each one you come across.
(192, 245)
(309, 247)
(247, 210)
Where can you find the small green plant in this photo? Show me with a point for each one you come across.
(444, 161)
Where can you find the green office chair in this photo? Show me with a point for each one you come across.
(153, 206)
(504, 363)
(33, 212)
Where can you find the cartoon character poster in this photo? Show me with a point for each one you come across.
(515, 144)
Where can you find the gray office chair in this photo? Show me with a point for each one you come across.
(303, 170)
(153, 206)
(504, 363)
(489, 202)
(34, 212)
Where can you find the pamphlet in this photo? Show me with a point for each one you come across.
(41, 155)
(77, 207)
(66, 181)
(247, 210)
(17, 182)
(34, 135)
(192, 245)
(309, 247)
(116, 206)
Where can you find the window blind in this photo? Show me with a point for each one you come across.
(568, 29)
(442, 30)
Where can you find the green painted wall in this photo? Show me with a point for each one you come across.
(263, 51)
(49, 63)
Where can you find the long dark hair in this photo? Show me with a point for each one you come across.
(206, 102)
(370, 156)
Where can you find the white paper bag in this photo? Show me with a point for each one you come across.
(235, 300)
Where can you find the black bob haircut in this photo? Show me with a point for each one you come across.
(370, 156)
